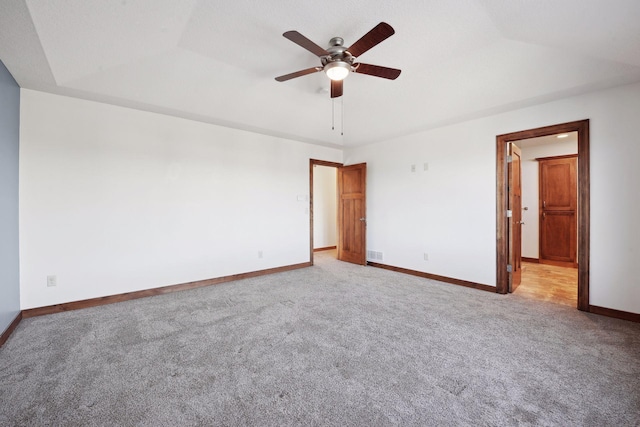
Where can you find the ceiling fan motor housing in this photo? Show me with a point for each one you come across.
(337, 53)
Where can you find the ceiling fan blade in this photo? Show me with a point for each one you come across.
(336, 88)
(301, 40)
(379, 33)
(298, 74)
(377, 71)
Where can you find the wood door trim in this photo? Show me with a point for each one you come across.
(582, 127)
(94, 302)
(618, 314)
(312, 163)
(445, 279)
(566, 156)
(12, 327)
(325, 163)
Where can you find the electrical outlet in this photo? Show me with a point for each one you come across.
(259, 254)
(52, 281)
(426, 256)
(413, 168)
(425, 167)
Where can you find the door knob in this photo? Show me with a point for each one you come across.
(521, 222)
(362, 219)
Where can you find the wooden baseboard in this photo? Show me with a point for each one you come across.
(435, 277)
(94, 302)
(5, 335)
(328, 248)
(531, 260)
(618, 314)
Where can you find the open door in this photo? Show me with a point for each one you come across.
(351, 213)
(515, 225)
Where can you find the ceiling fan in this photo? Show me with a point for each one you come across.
(338, 61)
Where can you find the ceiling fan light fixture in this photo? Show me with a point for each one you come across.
(337, 70)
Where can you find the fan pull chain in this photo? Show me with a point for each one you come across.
(333, 113)
(342, 111)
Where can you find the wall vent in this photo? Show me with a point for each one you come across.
(374, 256)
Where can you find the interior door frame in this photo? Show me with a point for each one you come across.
(312, 163)
(502, 195)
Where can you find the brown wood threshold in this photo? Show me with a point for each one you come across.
(453, 281)
(94, 302)
(7, 333)
(328, 248)
(618, 314)
(531, 260)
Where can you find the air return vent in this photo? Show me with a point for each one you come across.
(374, 256)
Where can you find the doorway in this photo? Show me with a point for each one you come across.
(325, 209)
(548, 270)
(317, 225)
(505, 225)
(350, 212)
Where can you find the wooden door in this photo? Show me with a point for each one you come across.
(515, 225)
(557, 207)
(351, 213)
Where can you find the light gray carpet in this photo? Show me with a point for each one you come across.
(335, 344)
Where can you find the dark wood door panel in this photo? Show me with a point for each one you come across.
(515, 225)
(559, 187)
(352, 238)
(352, 181)
(351, 214)
(558, 236)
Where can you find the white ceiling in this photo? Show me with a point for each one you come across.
(571, 137)
(215, 61)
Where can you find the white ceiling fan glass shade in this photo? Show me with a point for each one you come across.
(337, 70)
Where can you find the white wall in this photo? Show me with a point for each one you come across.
(115, 200)
(449, 210)
(9, 149)
(530, 188)
(325, 212)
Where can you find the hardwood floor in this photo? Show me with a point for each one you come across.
(543, 282)
(549, 283)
